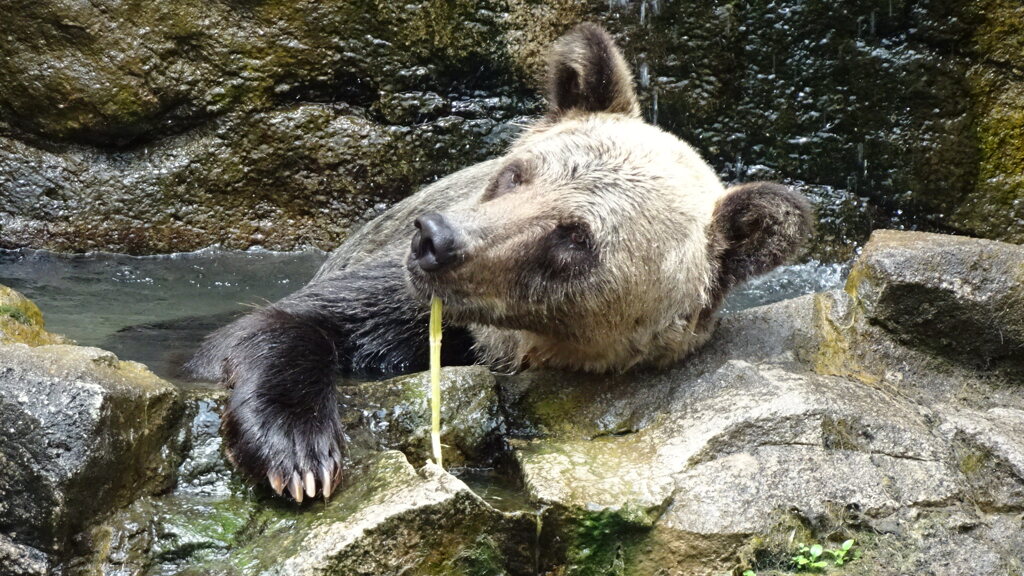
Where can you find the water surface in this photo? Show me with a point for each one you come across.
(151, 309)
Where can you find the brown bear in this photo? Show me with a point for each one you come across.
(598, 242)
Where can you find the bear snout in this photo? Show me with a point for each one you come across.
(435, 244)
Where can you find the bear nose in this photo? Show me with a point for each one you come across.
(433, 245)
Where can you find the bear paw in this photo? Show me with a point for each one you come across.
(298, 451)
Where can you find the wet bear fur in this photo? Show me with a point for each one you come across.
(598, 243)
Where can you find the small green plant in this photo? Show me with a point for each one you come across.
(839, 555)
(809, 557)
(812, 558)
(749, 573)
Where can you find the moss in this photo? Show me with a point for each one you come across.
(583, 542)
(480, 557)
(552, 411)
(996, 207)
(836, 343)
(772, 548)
(972, 462)
(15, 314)
(22, 322)
(999, 32)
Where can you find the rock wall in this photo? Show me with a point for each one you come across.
(153, 127)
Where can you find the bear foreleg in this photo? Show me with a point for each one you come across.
(281, 362)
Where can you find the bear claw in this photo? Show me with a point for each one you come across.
(295, 487)
(301, 486)
(326, 481)
(310, 484)
(276, 482)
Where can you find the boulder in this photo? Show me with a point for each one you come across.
(812, 420)
(83, 434)
(958, 297)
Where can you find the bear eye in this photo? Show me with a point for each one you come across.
(508, 179)
(576, 235)
(571, 252)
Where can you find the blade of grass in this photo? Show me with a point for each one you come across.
(435, 378)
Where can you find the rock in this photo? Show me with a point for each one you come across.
(206, 513)
(225, 183)
(395, 415)
(733, 451)
(242, 126)
(405, 521)
(204, 471)
(165, 533)
(22, 322)
(843, 221)
(990, 451)
(391, 519)
(799, 420)
(83, 434)
(19, 560)
(958, 297)
(270, 124)
(215, 520)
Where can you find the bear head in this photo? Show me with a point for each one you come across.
(600, 241)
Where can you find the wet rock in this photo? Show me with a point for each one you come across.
(19, 560)
(111, 74)
(198, 115)
(84, 433)
(206, 513)
(301, 175)
(217, 521)
(391, 519)
(204, 469)
(165, 534)
(395, 415)
(843, 222)
(240, 125)
(959, 297)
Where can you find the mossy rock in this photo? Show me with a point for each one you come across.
(388, 519)
(22, 322)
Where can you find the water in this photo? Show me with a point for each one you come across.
(151, 309)
(156, 309)
(787, 282)
(500, 488)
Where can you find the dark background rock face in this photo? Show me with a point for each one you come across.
(152, 127)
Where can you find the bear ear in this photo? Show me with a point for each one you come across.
(587, 73)
(756, 227)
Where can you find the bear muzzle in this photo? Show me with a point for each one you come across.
(435, 244)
